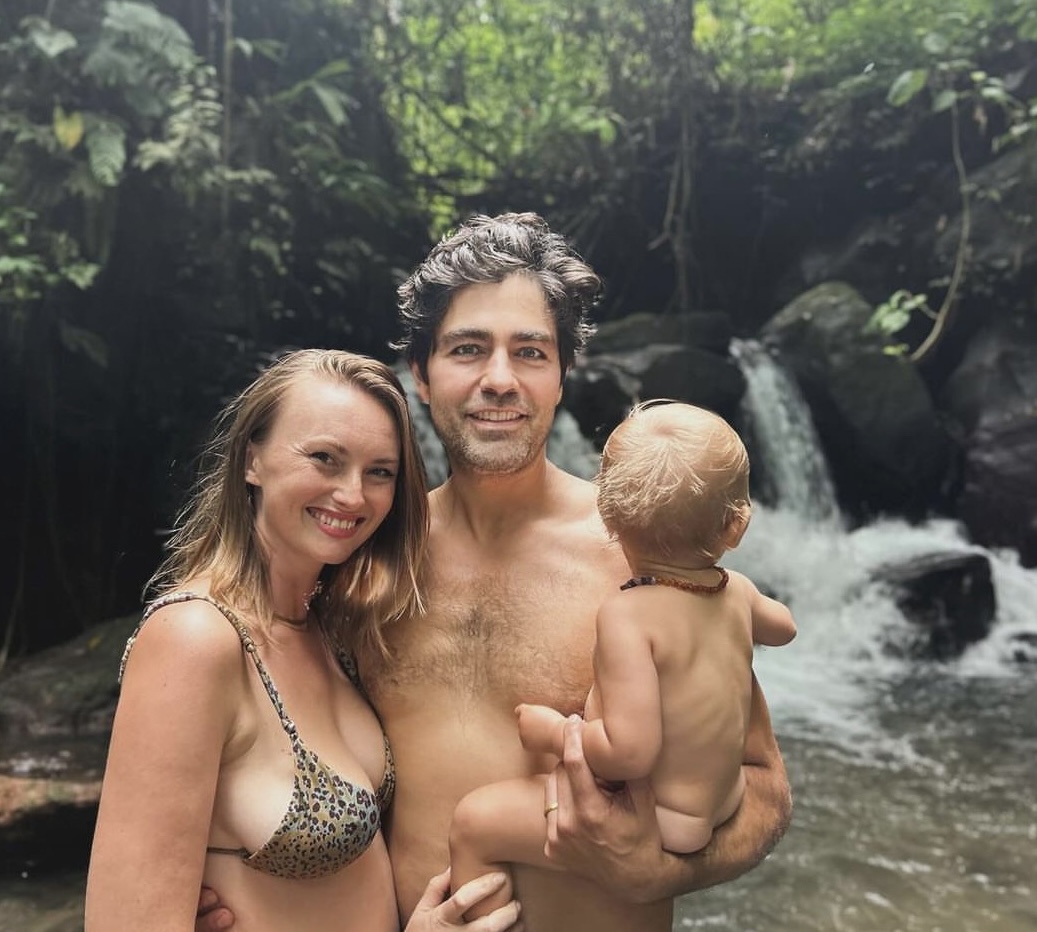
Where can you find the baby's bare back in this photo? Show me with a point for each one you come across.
(701, 648)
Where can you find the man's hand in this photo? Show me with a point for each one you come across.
(607, 834)
(212, 915)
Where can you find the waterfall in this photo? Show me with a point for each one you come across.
(798, 548)
(781, 433)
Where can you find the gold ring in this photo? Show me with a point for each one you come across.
(549, 809)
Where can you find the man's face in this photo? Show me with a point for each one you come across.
(494, 376)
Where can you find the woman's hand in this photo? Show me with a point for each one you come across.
(438, 910)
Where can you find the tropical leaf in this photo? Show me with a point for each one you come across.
(79, 340)
(333, 101)
(81, 274)
(907, 86)
(68, 127)
(47, 38)
(106, 148)
(944, 100)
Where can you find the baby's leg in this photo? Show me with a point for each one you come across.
(682, 833)
(493, 825)
(540, 728)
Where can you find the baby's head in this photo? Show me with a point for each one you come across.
(674, 484)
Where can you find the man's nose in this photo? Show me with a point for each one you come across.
(499, 374)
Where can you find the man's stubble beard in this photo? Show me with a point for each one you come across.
(497, 457)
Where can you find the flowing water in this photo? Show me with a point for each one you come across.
(915, 783)
(916, 808)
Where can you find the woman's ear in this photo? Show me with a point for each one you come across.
(251, 466)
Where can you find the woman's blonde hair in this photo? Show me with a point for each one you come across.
(673, 478)
(215, 534)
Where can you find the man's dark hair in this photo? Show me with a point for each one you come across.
(487, 250)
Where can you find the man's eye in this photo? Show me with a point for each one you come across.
(465, 349)
(532, 352)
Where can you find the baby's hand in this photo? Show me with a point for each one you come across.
(540, 728)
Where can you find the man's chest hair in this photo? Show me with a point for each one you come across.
(521, 639)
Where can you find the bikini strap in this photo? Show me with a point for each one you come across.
(384, 793)
(245, 637)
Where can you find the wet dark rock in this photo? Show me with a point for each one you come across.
(1023, 647)
(707, 330)
(993, 397)
(950, 598)
(602, 387)
(887, 446)
(56, 711)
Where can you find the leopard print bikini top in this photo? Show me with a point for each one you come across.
(330, 822)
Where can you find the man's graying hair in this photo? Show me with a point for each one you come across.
(487, 250)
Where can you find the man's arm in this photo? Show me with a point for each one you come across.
(613, 838)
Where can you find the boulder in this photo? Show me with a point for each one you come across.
(950, 598)
(708, 330)
(888, 447)
(602, 387)
(993, 397)
(56, 711)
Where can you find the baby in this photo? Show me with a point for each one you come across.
(673, 656)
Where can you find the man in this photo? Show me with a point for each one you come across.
(519, 562)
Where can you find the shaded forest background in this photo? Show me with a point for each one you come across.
(189, 185)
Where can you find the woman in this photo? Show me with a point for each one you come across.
(244, 755)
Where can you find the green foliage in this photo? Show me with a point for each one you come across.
(34, 260)
(514, 89)
(773, 43)
(953, 78)
(140, 53)
(894, 314)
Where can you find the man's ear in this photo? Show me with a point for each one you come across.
(419, 382)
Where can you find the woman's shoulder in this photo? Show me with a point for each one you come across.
(188, 629)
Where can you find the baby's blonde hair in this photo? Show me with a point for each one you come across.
(673, 478)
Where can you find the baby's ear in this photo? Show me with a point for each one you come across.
(737, 525)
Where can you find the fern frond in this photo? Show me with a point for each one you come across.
(106, 148)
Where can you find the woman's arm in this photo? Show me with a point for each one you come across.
(176, 710)
(613, 838)
(436, 910)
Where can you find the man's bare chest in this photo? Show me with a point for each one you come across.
(501, 636)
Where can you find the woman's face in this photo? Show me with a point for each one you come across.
(324, 476)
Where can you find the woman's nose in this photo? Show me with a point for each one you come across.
(349, 492)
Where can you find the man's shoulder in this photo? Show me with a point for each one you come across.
(576, 498)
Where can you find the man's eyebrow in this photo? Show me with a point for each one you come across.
(476, 333)
(534, 336)
(464, 333)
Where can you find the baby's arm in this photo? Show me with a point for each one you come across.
(540, 728)
(624, 743)
(773, 625)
